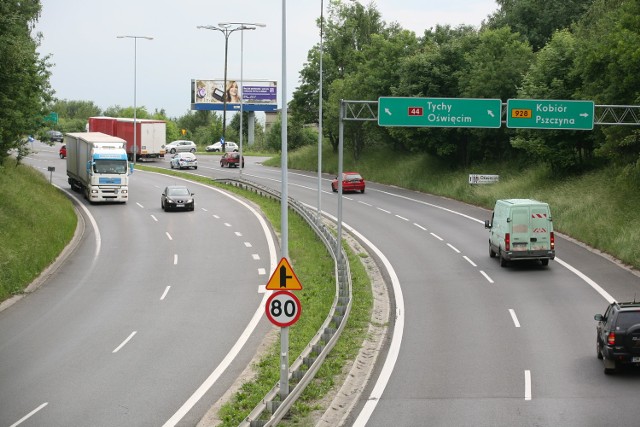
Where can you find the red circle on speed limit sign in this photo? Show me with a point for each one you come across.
(283, 308)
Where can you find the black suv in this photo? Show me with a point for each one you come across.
(618, 335)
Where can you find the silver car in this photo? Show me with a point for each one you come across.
(184, 160)
(181, 146)
(229, 146)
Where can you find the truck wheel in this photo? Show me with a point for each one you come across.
(544, 262)
(503, 262)
(492, 254)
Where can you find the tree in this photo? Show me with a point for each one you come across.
(25, 91)
(537, 20)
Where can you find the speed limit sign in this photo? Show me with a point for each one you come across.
(283, 308)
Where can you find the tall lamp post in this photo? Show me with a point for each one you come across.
(135, 107)
(226, 29)
(246, 25)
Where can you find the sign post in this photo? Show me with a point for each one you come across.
(283, 309)
(440, 112)
(550, 114)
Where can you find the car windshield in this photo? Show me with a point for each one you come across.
(178, 192)
(627, 319)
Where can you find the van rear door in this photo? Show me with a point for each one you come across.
(520, 228)
(540, 228)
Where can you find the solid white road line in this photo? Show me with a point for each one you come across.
(29, 415)
(527, 385)
(124, 342)
(514, 317)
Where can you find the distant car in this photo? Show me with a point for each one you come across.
(63, 152)
(618, 336)
(351, 181)
(231, 160)
(177, 197)
(55, 136)
(184, 160)
(229, 146)
(181, 146)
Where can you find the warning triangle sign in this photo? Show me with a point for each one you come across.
(283, 278)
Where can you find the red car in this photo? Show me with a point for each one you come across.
(231, 159)
(63, 152)
(351, 181)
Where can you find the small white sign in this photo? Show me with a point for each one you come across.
(483, 179)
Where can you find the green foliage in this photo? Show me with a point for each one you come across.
(80, 110)
(24, 77)
(36, 223)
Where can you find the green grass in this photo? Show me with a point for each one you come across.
(599, 208)
(36, 223)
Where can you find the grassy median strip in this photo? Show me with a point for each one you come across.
(36, 222)
(314, 268)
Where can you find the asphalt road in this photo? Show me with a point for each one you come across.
(149, 309)
(474, 343)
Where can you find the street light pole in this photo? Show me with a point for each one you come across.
(135, 107)
(247, 26)
(226, 29)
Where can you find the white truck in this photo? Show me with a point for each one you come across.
(97, 164)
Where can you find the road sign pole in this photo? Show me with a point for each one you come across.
(284, 363)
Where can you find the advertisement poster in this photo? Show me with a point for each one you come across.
(255, 95)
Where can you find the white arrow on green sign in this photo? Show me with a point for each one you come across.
(550, 114)
(439, 112)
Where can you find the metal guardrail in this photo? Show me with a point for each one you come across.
(325, 339)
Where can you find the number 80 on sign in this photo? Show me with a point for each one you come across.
(283, 308)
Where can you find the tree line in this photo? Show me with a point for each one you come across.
(527, 49)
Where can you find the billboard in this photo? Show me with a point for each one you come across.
(255, 95)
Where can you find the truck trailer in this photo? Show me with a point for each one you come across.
(97, 165)
(151, 135)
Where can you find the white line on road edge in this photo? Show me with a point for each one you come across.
(590, 282)
(164, 294)
(514, 317)
(486, 276)
(125, 342)
(29, 415)
(527, 385)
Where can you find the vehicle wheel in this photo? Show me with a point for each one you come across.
(193, 150)
(173, 151)
(195, 167)
(503, 262)
(221, 165)
(598, 352)
(171, 164)
(492, 254)
(334, 189)
(544, 262)
(61, 156)
(363, 190)
(609, 371)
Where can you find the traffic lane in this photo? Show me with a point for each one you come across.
(563, 276)
(131, 313)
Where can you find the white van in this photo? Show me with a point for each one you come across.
(521, 229)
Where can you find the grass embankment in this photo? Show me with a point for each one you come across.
(599, 208)
(36, 222)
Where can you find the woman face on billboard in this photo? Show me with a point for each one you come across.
(233, 92)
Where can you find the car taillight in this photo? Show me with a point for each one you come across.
(552, 238)
(611, 338)
(507, 242)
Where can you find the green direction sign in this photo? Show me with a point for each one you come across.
(51, 117)
(550, 114)
(439, 112)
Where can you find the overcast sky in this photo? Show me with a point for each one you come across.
(92, 64)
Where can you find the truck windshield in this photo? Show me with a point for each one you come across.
(110, 166)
